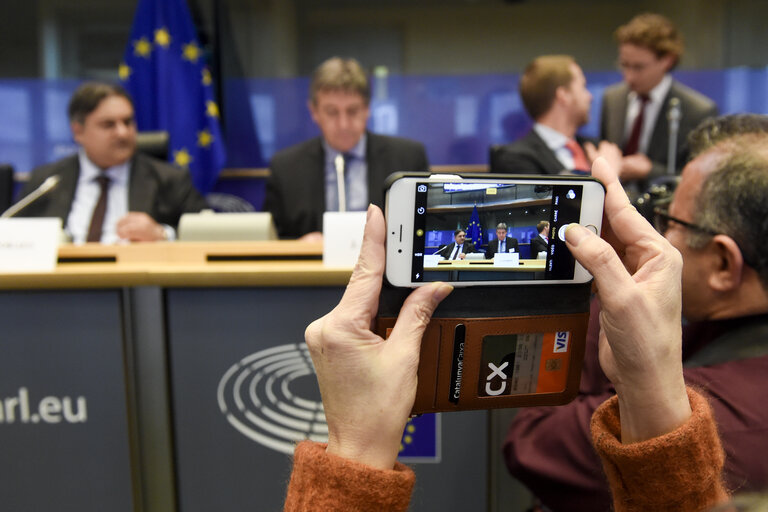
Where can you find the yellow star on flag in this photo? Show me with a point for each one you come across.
(142, 47)
(211, 108)
(162, 37)
(182, 157)
(124, 71)
(204, 138)
(191, 52)
(206, 77)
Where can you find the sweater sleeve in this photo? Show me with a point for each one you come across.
(681, 470)
(321, 481)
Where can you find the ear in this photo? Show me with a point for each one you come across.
(312, 110)
(727, 273)
(562, 94)
(77, 130)
(669, 61)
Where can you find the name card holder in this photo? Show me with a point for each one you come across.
(342, 238)
(506, 259)
(29, 244)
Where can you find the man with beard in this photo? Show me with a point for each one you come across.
(555, 95)
(107, 192)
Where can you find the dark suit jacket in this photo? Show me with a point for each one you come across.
(528, 155)
(448, 249)
(493, 246)
(157, 188)
(296, 187)
(537, 245)
(694, 107)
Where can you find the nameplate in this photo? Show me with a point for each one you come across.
(29, 245)
(342, 238)
(506, 259)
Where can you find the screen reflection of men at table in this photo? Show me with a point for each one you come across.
(501, 243)
(540, 243)
(457, 249)
(304, 178)
(108, 192)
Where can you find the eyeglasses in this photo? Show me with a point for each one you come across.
(661, 220)
(632, 66)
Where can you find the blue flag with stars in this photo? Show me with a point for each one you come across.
(474, 229)
(164, 70)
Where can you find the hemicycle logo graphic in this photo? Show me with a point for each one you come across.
(261, 398)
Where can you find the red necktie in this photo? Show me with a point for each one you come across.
(97, 219)
(579, 158)
(630, 148)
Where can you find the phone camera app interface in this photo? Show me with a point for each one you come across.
(485, 231)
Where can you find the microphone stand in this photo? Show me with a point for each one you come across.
(673, 117)
(45, 187)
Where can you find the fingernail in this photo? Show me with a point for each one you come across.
(442, 291)
(575, 233)
(369, 212)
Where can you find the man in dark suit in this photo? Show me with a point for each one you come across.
(635, 113)
(304, 180)
(459, 248)
(540, 243)
(141, 198)
(501, 243)
(554, 93)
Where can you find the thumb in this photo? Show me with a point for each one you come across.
(417, 312)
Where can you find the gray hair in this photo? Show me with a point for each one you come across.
(732, 198)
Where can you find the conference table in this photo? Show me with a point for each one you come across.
(485, 270)
(174, 376)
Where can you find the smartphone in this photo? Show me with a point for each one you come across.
(444, 228)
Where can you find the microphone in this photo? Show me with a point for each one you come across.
(339, 162)
(673, 117)
(49, 184)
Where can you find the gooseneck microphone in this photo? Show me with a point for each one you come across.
(342, 193)
(49, 184)
(673, 117)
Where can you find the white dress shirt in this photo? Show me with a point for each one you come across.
(87, 195)
(556, 141)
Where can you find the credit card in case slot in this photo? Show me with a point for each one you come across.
(487, 363)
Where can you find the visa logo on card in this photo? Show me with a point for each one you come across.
(561, 341)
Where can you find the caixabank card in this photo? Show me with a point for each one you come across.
(495, 347)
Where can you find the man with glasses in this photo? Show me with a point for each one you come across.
(718, 220)
(636, 113)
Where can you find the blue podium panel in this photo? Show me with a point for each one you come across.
(244, 390)
(64, 442)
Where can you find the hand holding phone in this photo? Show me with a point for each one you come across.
(519, 342)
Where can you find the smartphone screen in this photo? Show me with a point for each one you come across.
(480, 231)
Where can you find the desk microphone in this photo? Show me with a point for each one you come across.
(49, 184)
(673, 117)
(342, 192)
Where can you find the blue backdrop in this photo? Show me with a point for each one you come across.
(456, 117)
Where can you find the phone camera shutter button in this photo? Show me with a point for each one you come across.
(592, 228)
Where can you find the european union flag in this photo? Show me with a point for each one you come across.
(474, 229)
(163, 69)
(421, 439)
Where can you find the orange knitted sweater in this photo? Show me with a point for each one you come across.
(679, 471)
